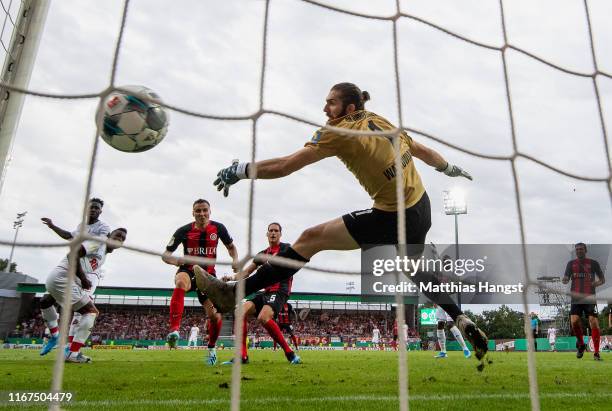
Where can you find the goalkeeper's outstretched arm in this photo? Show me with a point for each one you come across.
(431, 157)
(283, 166)
(268, 169)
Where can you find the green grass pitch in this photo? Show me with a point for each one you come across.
(327, 380)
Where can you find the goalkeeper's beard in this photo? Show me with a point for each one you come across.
(342, 114)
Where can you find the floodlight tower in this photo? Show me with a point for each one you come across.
(455, 204)
(16, 226)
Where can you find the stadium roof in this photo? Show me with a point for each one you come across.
(167, 292)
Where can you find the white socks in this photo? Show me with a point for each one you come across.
(458, 336)
(76, 317)
(441, 340)
(50, 316)
(83, 330)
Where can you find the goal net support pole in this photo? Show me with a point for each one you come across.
(16, 72)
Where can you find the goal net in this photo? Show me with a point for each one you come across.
(499, 88)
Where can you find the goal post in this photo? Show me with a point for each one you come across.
(16, 71)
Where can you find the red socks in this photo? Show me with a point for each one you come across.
(75, 346)
(578, 333)
(596, 338)
(294, 341)
(244, 339)
(177, 303)
(276, 335)
(214, 329)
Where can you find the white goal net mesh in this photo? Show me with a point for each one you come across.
(8, 15)
(402, 28)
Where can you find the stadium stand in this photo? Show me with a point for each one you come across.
(123, 322)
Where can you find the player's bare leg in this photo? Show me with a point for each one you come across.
(331, 235)
(182, 284)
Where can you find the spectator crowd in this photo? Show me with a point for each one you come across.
(151, 323)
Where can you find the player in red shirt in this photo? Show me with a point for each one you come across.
(284, 323)
(199, 239)
(582, 272)
(267, 304)
(395, 335)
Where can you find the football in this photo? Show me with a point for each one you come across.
(132, 124)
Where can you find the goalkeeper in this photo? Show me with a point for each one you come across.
(372, 160)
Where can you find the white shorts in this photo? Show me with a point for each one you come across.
(375, 341)
(193, 339)
(551, 340)
(56, 284)
(441, 315)
(94, 280)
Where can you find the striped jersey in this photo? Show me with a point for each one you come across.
(200, 242)
(284, 317)
(282, 286)
(582, 274)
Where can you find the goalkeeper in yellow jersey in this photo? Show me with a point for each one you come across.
(371, 158)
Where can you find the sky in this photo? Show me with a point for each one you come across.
(206, 57)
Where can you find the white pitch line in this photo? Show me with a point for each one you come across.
(355, 398)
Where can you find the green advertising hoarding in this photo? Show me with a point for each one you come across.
(428, 316)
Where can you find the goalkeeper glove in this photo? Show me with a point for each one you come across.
(454, 171)
(231, 175)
